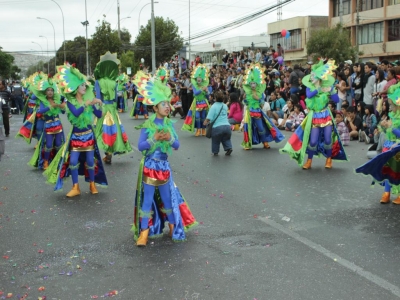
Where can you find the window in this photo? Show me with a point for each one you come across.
(292, 43)
(346, 7)
(371, 4)
(371, 33)
(393, 2)
(394, 30)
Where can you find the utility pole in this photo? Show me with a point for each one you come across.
(190, 52)
(341, 14)
(153, 40)
(357, 27)
(86, 23)
(119, 22)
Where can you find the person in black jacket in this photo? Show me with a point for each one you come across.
(5, 97)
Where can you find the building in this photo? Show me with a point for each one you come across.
(300, 29)
(218, 47)
(379, 26)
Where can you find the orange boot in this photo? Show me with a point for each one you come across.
(146, 116)
(136, 116)
(203, 132)
(385, 198)
(93, 189)
(266, 145)
(397, 201)
(171, 229)
(75, 191)
(307, 165)
(45, 164)
(328, 164)
(143, 238)
(198, 132)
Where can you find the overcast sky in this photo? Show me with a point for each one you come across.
(20, 26)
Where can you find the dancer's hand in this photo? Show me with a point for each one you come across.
(158, 136)
(166, 136)
(96, 101)
(62, 105)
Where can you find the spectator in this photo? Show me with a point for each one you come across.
(281, 51)
(287, 110)
(184, 94)
(391, 80)
(277, 106)
(360, 110)
(369, 125)
(294, 79)
(258, 56)
(296, 117)
(353, 123)
(368, 84)
(235, 109)
(221, 129)
(341, 89)
(5, 95)
(332, 106)
(358, 83)
(342, 129)
(177, 104)
(380, 83)
(17, 94)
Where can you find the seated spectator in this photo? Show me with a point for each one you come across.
(235, 110)
(369, 125)
(342, 129)
(277, 106)
(379, 135)
(296, 117)
(360, 109)
(287, 110)
(177, 104)
(332, 106)
(353, 123)
(344, 111)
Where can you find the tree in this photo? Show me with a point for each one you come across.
(6, 62)
(103, 40)
(15, 72)
(128, 60)
(75, 53)
(167, 39)
(332, 43)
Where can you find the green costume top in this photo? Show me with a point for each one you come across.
(254, 75)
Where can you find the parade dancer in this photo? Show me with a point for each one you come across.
(198, 111)
(80, 154)
(385, 167)
(52, 139)
(157, 197)
(139, 108)
(257, 127)
(121, 92)
(110, 133)
(33, 121)
(317, 134)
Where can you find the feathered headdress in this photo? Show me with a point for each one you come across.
(123, 78)
(394, 93)
(153, 90)
(107, 67)
(255, 73)
(201, 71)
(69, 78)
(162, 74)
(320, 71)
(42, 85)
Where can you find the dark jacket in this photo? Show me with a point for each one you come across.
(294, 78)
(6, 95)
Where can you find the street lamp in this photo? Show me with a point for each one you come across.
(140, 12)
(55, 51)
(47, 55)
(39, 46)
(86, 23)
(62, 13)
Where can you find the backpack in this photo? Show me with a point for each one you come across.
(17, 90)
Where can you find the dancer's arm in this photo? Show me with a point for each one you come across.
(76, 112)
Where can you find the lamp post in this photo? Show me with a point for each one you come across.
(39, 60)
(40, 49)
(62, 13)
(189, 38)
(153, 40)
(86, 23)
(47, 55)
(55, 51)
(140, 13)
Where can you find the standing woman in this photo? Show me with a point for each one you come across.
(341, 89)
(358, 83)
(221, 128)
(52, 137)
(380, 83)
(110, 133)
(80, 154)
(157, 197)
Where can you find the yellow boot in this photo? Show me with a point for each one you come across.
(75, 191)
(198, 132)
(93, 189)
(386, 198)
(45, 164)
(203, 132)
(266, 145)
(328, 164)
(171, 229)
(143, 238)
(307, 165)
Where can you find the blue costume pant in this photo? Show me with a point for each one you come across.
(387, 186)
(262, 131)
(39, 128)
(148, 196)
(199, 120)
(74, 164)
(52, 140)
(121, 103)
(314, 139)
(138, 106)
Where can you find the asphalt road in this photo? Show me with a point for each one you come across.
(267, 229)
